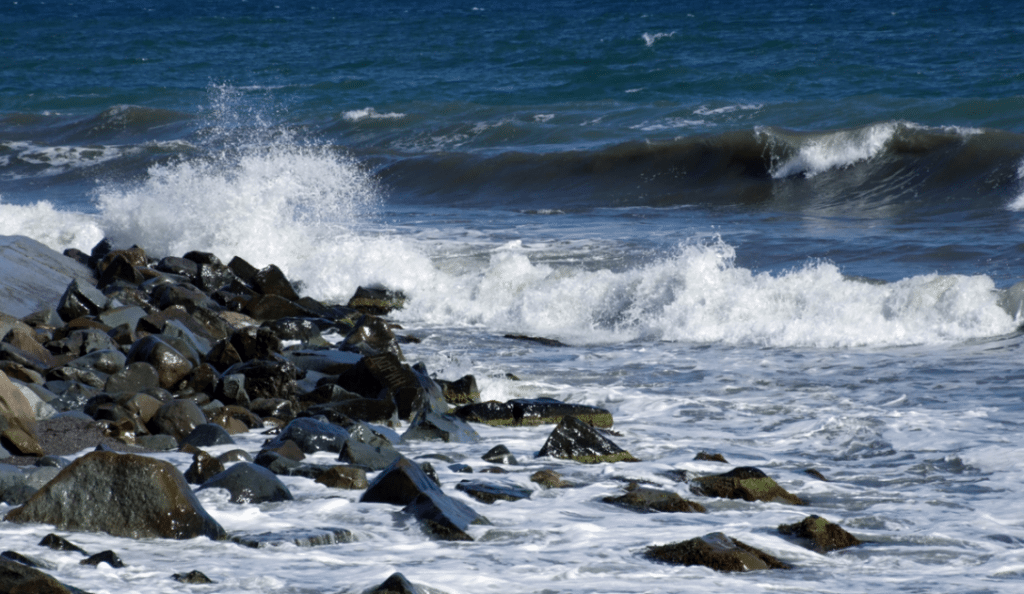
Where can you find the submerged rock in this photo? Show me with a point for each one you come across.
(550, 479)
(717, 551)
(646, 499)
(819, 534)
(490, 492)
(432, 426)
(192, 577)
(16, 578)
(123, 495)
(302, 537)
(575, 440)
(395, 584)
(535, 411)
(744, 482)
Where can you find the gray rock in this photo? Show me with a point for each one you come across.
(32, 276)
(171, 365)
(208, 434)
(717, 551)
(311, 435)
(249, 483)
(177, 418)
(433, 426)
(16, 578)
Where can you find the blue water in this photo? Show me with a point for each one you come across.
(778, 230)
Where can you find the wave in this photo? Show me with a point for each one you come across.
(888, 167)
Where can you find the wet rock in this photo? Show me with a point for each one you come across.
(234, 456)
(443, 517)
(171, 365)
(273, 307)
(208, 434)
(816, 474)
(269, 379)
(371, 336)
(302, 537)
(745, 482)
(249, 483)
(25, 560)
(80, 299)
(432, 426)
(461, 391)
(272, 281)
(376, 301)
(59, 543)
(717, 551)
(120, 494)
(539, 340)
(177, 418)
(105, 361)
(549, 479)
(359, 409)
(134, 378)
(646, 499)
(192, 577)
(367, 448)
(302, 329)
(17, 421)
(344, 477)
(109, 557)
(709, 457)
(399, 484)
(499, 454)
(203, 468)
(179, 266)
(34, 276)
(529, 412)
(16, 578)
(820, 535)
(491, 492)
(573, 439)
(395, 584)
(277, 463)
(311, 435)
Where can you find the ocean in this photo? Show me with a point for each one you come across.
(783, 232)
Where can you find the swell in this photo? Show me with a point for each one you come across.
(885, 169)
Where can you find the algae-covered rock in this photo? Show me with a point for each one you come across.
(819, 534)
(745, 482)
(717, 551)
(646, 499)
(573, 439)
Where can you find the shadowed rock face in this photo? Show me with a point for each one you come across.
(822, 536)
(717, 551)
(573, 439)
(746, 483)
(530, 412)
(123, 495)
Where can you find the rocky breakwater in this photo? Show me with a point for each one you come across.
(138, 355)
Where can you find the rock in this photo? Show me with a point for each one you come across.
(203, 468)
(529, 412)
(717, 551)
(709, 457)
(745, 482)
(16, 578)
(371, 335)
(344, 477)
(177, 418)
(461, 391)
(171, 365)
(537, 339)
(249, 483)
(549, 479)
(573, 439)
(820, 535)
(302, 537)
(59, 543)
(499, 454)
(136, 377)
(816, 474)
(311, 436)
(646, 499)
(410, 389)
(376, 301)
(277, 463)
(395, 584)
(34, 277)
(25, 560)
(271, 281)
(491, 492)
(108, 557)
(268, 379)
(432, 426)
(359, 409)
(123, 495)
(80, 299)
(368, 449)
(208, 434)
(192, 577)
(17, 421)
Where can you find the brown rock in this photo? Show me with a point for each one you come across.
(823, 536)
(344, 477)
(745, 482)
(717, 551)
(17, 421)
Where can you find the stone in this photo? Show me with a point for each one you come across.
(444, 517)
(717, 551)
(491, 492)
(24, 560)
(371, 335)
(249, 483)
(268, 379)
(646, 499)
(33, 276)
(179, 266)
(461, 391)
(118, 268)
(177, 418)
(432, 426)
(17, 421)
(744, 482)
(396, 584)
(359, 409)
(272, 281)
(376, 301)
(192, 577)
(399, 484)
(80, 299)
(16, 578)
(499, 454)
(109, 557)
(208, 434)
(343, 477)
(59, 543)
(311, 436)
(530, 412)
(709, 457)
(122, 495)
(302, 537)
(203, 468)
(549, 479)
(367, 448)
(171, 365)
(819, 535)
(573, 439)
(276, 462)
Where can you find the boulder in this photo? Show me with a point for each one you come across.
(203, 468)
(549, 479)
(34, 277)
(311, 436)
(367, 448)
(376, 301)
(16, 578)
(249, 483)
(433, 426)
(359, 409)
(717, 551)
(17, 421)
(490, 492)
(573, 439)
(177, 418)
(499, 454)
(746, 483)
(409, 388)
(646, 499)
(344, 477)
(461, 391)
(268, 379)
(820, 535)
(535, 411)
(109, 557)
(59, 543)
(395, 584)
(171, 365)
(208, 434)
(123, 495)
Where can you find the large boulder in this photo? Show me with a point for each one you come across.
(746, 483)
(249, 483)
(34, 277)
(717, 551)
(16, 578)
(171, 364)
(17, 421)
(573, 439)
(123, 495)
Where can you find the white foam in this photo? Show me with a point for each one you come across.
(651, 38)
(1017, 203)
(55, 228)
(833, 150)
(55, 160)
(369, 113)
(704, 110)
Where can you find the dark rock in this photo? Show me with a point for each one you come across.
(179, 266)
(442, 516)
(408, 387)
(273, 307)
(107, 361)
(234, 456)
(573, 439)
(549, 479)
(529, 412)
(399, 484)
(273, 408)
(108, 557)
(301, 537)
(192, 577)
(171, 365)
(59, 543)
(717, 551)
(80, 299)
(327, 362)
(820, 535)
(249, 483)
(83, 341)
(177, 418)
(128, 315)
(367, 448)
(432, 426)
(242, 269)
(491, 492)
(544, 341)
(208, 434)
(271, 281)
(136, 377)
(461, 391)
(119, 268)
(499, 454)
(816, 474)
(302, 329)
(157, 443)
(16, 578)
(709, 457)
(231, 390)
(646, 499)
(269, 379)
(312, 436)
(745, 482)
(203, 468)
(344, 477)
(395, 584)
(376, 301)
(359, 409)
(24, 560)
(461, 468)
(371, 336)
(277, 463)
(122, 495)
(212, 276)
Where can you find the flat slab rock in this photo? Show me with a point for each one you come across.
(34, 277)
(717, 551)
(531, 412)
(302, 537)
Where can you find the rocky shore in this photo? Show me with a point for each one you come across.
(123, 355)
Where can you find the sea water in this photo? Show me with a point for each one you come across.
(776, 231)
